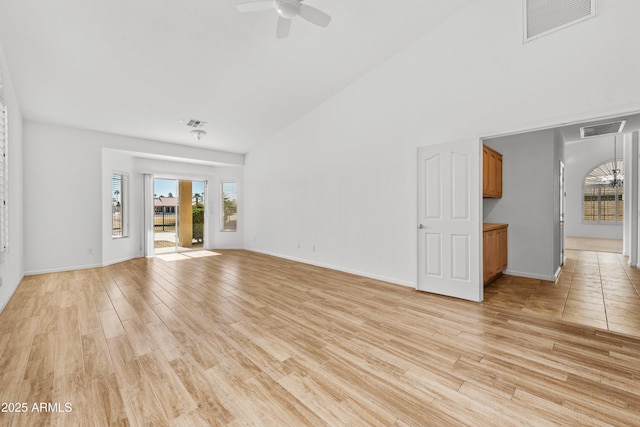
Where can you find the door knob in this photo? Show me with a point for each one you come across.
(420, 226)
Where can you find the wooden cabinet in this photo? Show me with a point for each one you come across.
(494, 245)
(491, 173)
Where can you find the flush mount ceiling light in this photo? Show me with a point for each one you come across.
(198, 133)
(195, 126)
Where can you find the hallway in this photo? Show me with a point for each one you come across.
(595, 289)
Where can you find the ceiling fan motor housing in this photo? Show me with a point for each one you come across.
(288, 9)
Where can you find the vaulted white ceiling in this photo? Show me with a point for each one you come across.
(137, 68)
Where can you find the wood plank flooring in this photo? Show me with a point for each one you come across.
(247, 339)
(596, 289)
(593, 244)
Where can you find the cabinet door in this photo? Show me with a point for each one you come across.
(498, 175)
(486, 268)
(503, 249)
(491, 173)
(494, 245)
(486, 167)
(496, 258)
(490, 254)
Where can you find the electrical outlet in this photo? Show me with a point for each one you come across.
(89, 251)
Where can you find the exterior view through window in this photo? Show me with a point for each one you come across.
(119, 205)
(230, 206)
(603, 201)
(178, 215)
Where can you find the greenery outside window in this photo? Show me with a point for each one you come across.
(119, 205)
(603, 202)
(229, 220)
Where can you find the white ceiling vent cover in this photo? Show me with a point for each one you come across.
(602, 129)
(545, 16)
(195, 123)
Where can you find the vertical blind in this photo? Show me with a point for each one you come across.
(4, 185)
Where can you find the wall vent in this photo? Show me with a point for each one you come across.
(602, 129)
(545, 16)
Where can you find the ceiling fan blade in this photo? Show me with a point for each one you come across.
(256, 5)
(314, 15)
(284, 26)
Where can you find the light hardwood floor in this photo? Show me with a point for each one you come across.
(247, 339)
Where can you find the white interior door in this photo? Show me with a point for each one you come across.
(449, 222)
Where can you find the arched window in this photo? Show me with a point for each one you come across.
(603, 200)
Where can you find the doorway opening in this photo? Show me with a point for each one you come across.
(179, 219)
(595, 283)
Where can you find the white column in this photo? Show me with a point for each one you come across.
(148, 214)
(635, 199)
(631, 198)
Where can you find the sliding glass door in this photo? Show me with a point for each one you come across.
(178, 215)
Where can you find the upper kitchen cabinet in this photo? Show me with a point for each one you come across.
(491, 173)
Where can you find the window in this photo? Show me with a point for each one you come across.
(230, 206)
(119, 205)
(602, 201)
(4, 186)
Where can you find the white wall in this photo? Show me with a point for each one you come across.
(581, 157)
(342, 179)
(12, 263)
(528, 203)
(67, 188)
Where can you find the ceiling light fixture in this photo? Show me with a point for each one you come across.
(616, 179)
(198, 133)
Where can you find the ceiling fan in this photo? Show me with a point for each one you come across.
(287, 9)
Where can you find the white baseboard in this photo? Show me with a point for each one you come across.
(116, 261)
(4, 304)
(337, 268)
(83, 267)
(61, 269)
(547, 277)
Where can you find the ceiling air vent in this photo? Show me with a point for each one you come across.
(602, 129)
(545, 16)
(195, 123)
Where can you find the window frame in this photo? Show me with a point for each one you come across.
(618, 196)
(223, 208)
(123, 196)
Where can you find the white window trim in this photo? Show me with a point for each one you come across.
(222, 183)
(124, 204)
